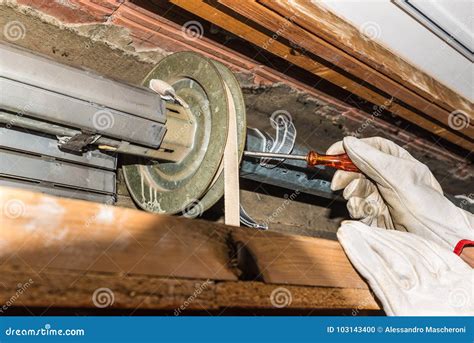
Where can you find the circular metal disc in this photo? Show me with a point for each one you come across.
(216, 190)
(171, 187)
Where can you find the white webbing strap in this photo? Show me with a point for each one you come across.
(231, 168)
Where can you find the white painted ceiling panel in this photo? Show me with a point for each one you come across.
(455, 17)
(447, 19)
(391, 26)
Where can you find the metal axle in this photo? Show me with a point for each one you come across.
(275, 155)
(108, 144)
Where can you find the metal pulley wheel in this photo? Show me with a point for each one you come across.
(216, 190)
(195, 182)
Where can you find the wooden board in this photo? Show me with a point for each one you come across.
(46, 232)
(298, 260)
(245, 29)
(61, 251)
(285, 27)
(54, 288)
(248, 294)
(320, 21)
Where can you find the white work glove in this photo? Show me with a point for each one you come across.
(409, 274)
(396, 191)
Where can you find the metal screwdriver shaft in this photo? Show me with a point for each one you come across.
(312, 159)
(274, 155)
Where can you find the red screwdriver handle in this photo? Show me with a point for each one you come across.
(342, 161)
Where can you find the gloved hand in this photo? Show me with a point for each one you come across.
(409, 274)
(399, 192)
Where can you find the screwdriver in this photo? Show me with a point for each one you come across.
(342, 161)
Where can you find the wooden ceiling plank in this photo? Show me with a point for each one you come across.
(320, 21)
(303, 260)
(64, 233)
(62, 288)
(231, 24)
(42, 231)
(285, 27)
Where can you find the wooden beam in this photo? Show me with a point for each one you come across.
(249, 294)
(286, 28)
(320, 21)
(299, 260)
(47, 232)
(234, 23)
(64, 250)
(62, 288)
(53, 287)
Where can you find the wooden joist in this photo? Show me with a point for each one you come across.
(62, 244)
(62, 288)
(58, 233)
(299, 260)
(263, 26)
(318, 20)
